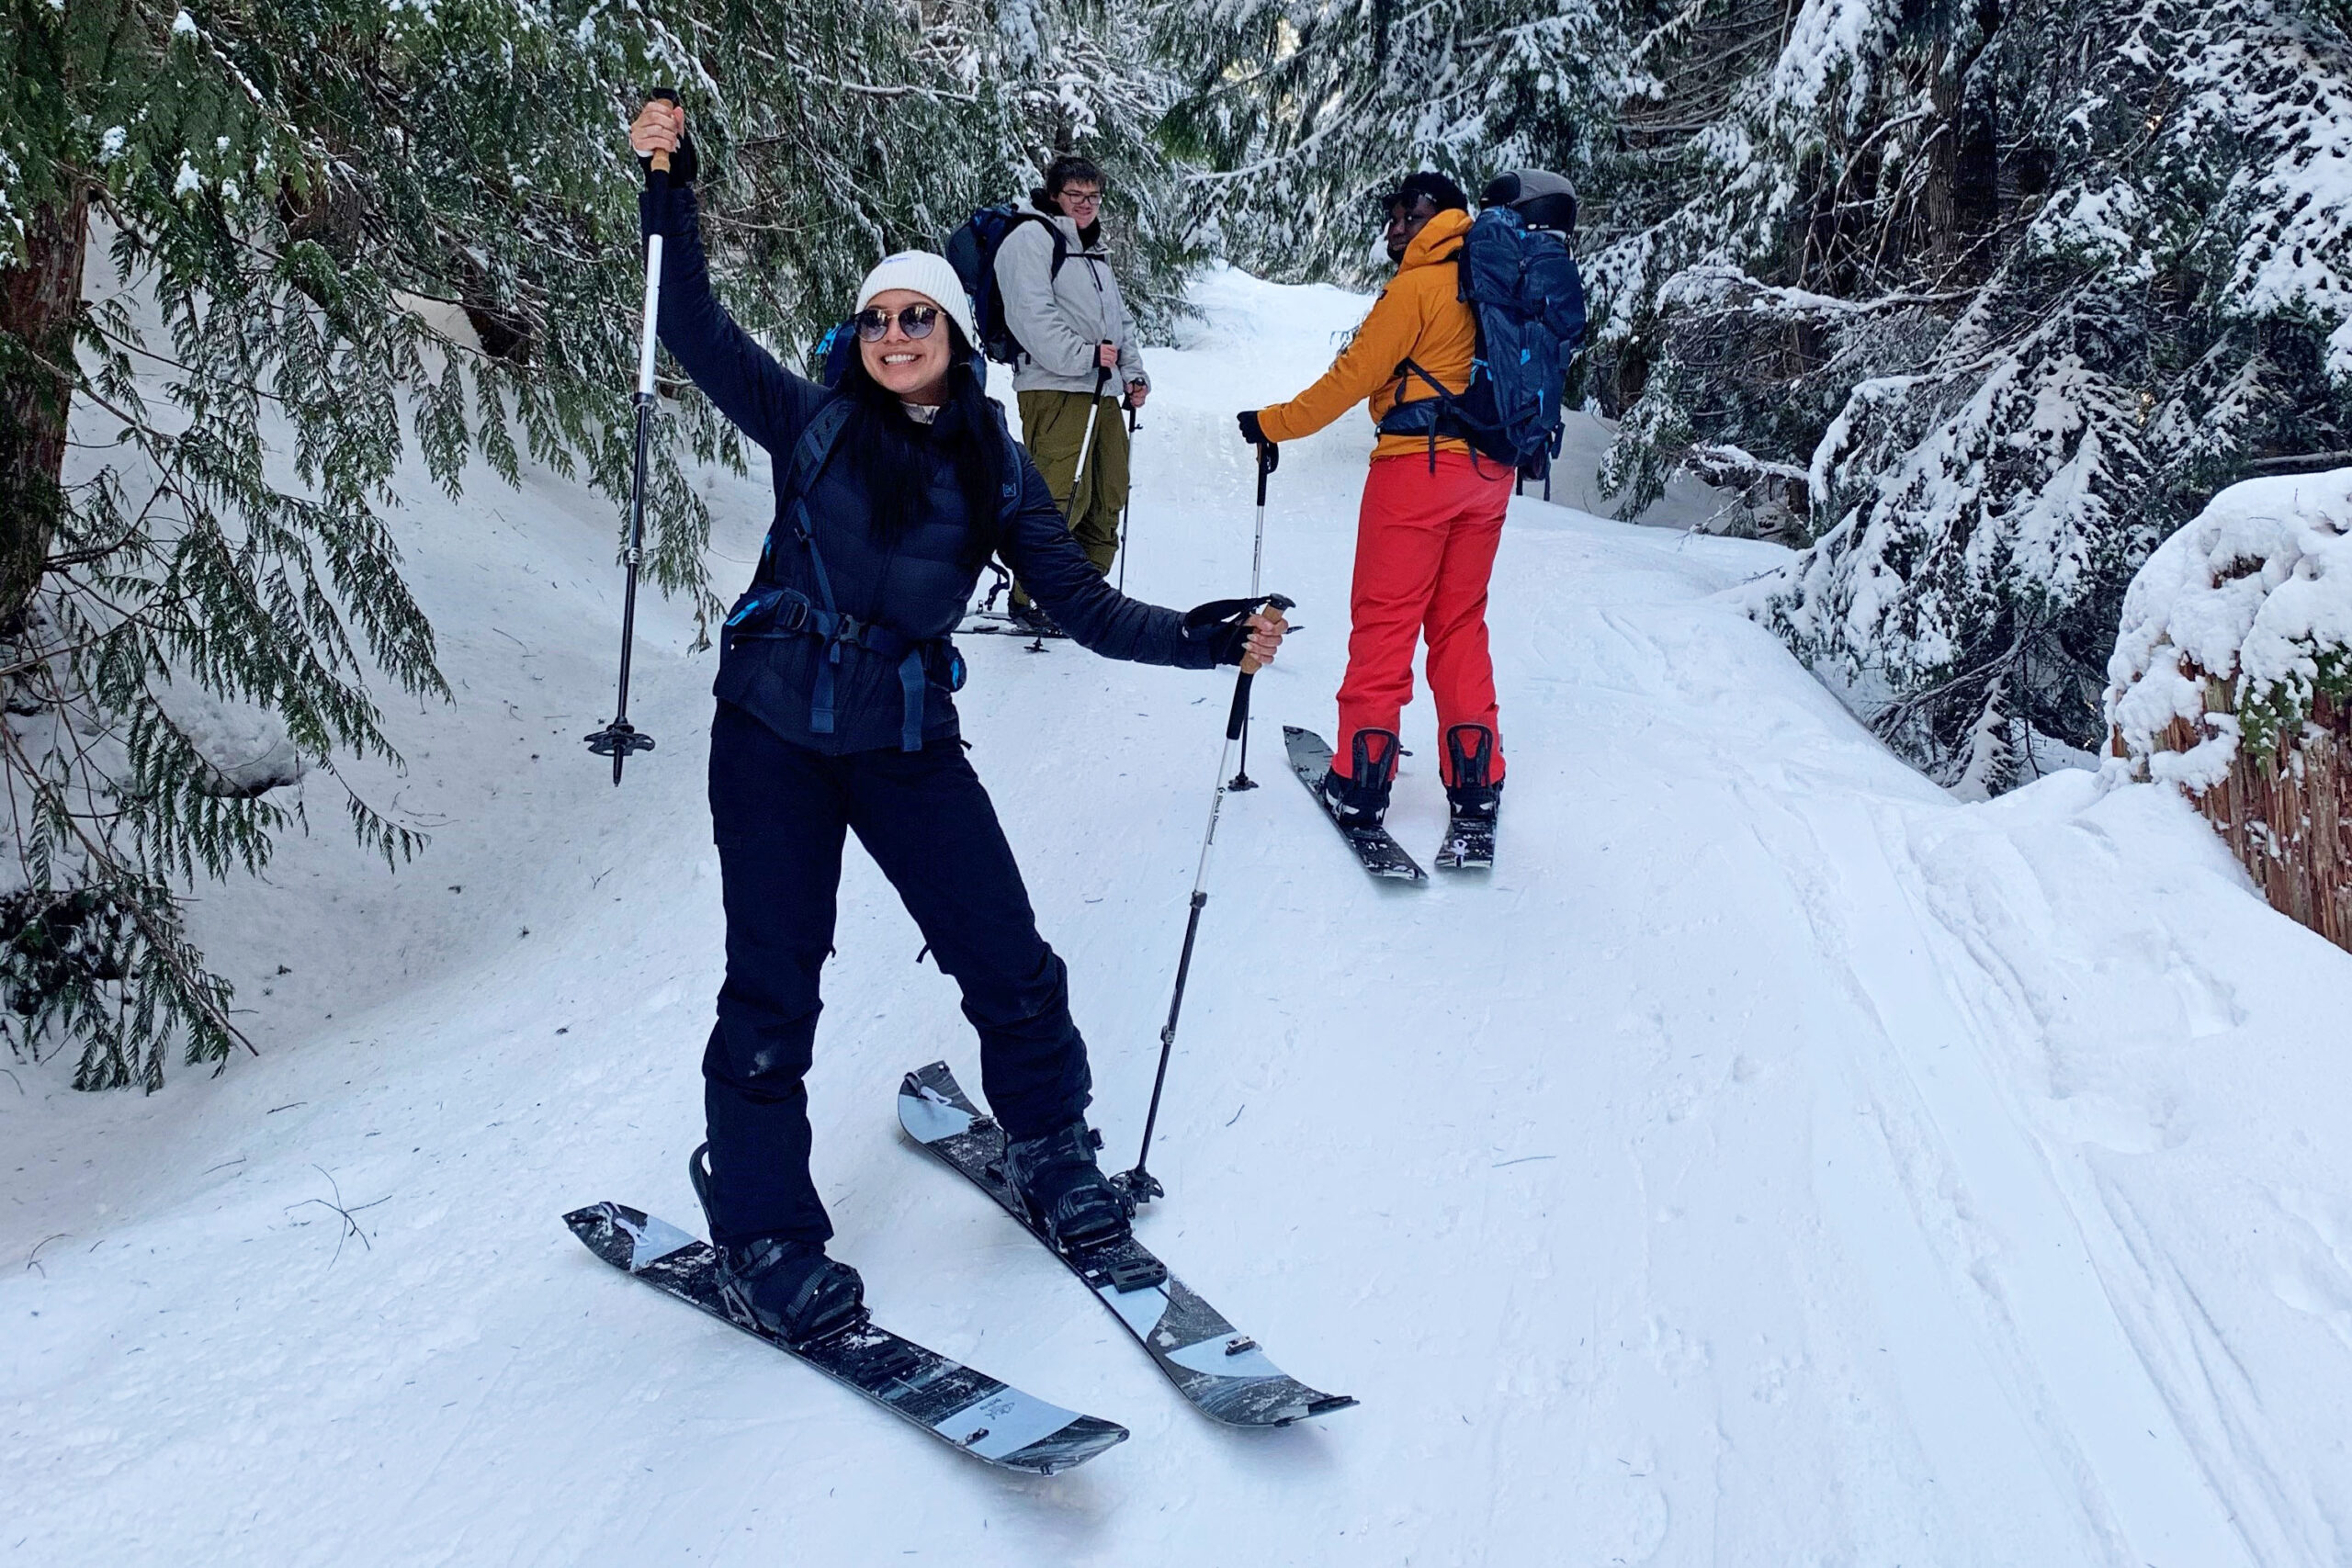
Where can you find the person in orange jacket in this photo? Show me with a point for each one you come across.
(1430, 521)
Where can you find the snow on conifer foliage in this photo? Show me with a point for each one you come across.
(2019, 289)
(2232, 678)
(282, 214)
(1296, 114)
(2237, 627)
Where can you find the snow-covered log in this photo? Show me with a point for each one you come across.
(2232, 678)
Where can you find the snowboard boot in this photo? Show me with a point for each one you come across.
(791, 1288)
(1473, 795)
(1030, 617)
(788, 1287)
(1360, 799)
(1066, 1191)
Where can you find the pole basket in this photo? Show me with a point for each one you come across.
(1138, 1187)
(619, 740)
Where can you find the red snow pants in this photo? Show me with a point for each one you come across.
(1425, 547)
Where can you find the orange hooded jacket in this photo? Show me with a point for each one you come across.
(1416, 317)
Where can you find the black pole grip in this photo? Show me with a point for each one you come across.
(1239, 715)
(1264, 468)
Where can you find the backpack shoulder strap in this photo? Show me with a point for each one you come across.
(818, 438)
(808, 458)
(1053, 230)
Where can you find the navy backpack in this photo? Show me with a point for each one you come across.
(1521, 285)
(971, 250)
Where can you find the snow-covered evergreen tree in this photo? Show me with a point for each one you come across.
(268, 182)
(833, 135)
(276, 188)
(2018, 289)
(1300, 112)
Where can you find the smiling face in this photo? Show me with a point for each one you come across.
(914, 369)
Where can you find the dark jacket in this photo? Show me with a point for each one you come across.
(916, 588)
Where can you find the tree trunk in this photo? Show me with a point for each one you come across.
(37, 302)
(2288, 816)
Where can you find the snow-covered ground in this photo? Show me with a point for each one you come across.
(1773, 1162)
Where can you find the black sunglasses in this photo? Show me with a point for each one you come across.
(916, 320)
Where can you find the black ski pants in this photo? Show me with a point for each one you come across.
(779, 812)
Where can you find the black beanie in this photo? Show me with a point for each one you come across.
(1440, 192)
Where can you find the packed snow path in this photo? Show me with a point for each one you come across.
(1772, 1162)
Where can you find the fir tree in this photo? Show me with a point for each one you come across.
(269, 182)
(275, 185)
(2018, 289)
(1299, 113)
(840, 133)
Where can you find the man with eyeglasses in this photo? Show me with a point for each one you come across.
(1430, 522)
(1062, 302)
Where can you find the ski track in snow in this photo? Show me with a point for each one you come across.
(1772, 1162)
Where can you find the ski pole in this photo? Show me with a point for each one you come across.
(1086, 443)
(1242, 779)
(1139, 1185)
(1128, 500)
(620, 737)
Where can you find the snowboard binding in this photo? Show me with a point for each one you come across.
(1066, 1196)
(823, 1300)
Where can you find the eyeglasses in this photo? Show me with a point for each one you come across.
(915, 320)
(1077, 197)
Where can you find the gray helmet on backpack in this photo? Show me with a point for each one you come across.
(1542, 198)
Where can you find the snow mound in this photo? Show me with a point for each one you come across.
(246, 748)
(2232, 626)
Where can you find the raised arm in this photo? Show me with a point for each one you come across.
(767, 403)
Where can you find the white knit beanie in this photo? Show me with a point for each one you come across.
(929, 274)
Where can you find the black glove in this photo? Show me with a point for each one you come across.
(1255, 434)
(683, 162)
(1224, 623)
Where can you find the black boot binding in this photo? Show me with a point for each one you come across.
(1066, 1191)
(1471, 794)
(785, 1286)
(1361, 800)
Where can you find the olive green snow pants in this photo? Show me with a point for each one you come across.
(1053, 426)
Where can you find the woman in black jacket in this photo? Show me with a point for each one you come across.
(835, 715)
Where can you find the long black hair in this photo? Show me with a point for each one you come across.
(893, 456)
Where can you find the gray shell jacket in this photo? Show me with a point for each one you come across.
(1060, 318)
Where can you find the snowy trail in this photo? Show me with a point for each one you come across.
(1772, 1162)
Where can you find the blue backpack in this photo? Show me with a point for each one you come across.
(971, 250)
(1522, 287)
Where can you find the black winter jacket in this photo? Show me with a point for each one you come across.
(916, 590)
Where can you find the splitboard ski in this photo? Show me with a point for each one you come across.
(1214, 1365)
(1469, 844)
(1310, 758)
(968, 1411)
